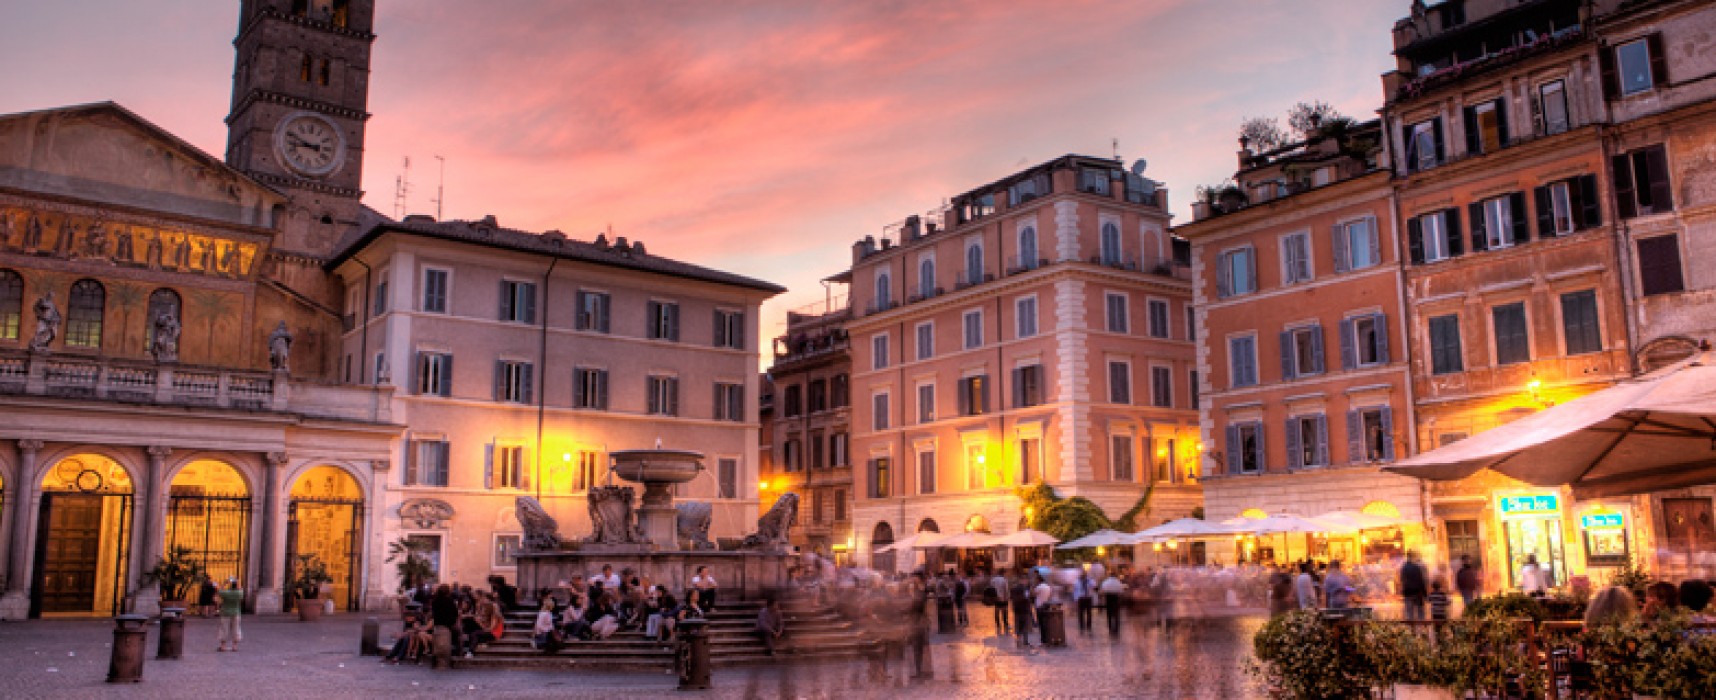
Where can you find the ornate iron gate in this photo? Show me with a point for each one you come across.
(333, 529)
(216, 528)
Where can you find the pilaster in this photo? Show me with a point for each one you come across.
(15, 604)
(266, 599)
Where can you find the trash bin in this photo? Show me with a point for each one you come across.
(691, 659)
(370, 642)
(172, 642)
(1053, 620)
(945, 621)
(130, 634)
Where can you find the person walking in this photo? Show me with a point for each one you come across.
(1337, 587)
(1414, 587)
(961, 591)
(1531, 577)
(997, 597)
(1084, 596)
(1305, 588)
(1112, 589)
(1019, 595)
(1280, 591)
(1468, 580)
(231, 608)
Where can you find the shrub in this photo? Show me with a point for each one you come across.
(1508, 605)
(1300, 657)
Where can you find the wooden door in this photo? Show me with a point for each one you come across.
(1688, 526)
(70, 552)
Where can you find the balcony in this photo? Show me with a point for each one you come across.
(798, 347)
(877, 306)
(971, 278)
(1608, 365)
(1118, 262)
(925, 295)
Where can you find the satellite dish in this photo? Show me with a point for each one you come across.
(1138, 167)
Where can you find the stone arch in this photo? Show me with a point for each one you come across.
(977, 523)
(1154, 250)
(48, 459)
(1661, 352)
(296, 471)
(882, 535)
(245, 469)
(84, 551)
(929, 525)
(1381, 508)
(328, 505)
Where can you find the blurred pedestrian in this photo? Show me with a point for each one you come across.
(1413, 586)
(961, 591)
(1305, 588)
(1084, 596)
(1019, 596)
(206, 596)
(1438, 600)
(1112, 589)
(1280, 590)
(1531, 577)
(1468, 580)
(996, 596)
(1337, 587)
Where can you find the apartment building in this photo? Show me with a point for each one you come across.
(520, 360)
(1035, 330)
(810, 429)
(1299, 305)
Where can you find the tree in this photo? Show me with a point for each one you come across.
(1069, 519)
(1307, 118)
(1262, 134)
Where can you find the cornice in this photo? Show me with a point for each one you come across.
(259, 95)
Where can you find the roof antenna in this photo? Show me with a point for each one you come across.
(402, 190)
(440, 187)
(1116, 141)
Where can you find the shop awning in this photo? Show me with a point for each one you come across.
(1653, 432)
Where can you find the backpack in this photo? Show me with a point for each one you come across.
(992, 597)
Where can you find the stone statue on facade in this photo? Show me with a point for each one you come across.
(773, 527)
(47, 323)
(165, 346)
(613, 517)
(694, 520)
(279, 347)
(541, 533)
(32, 234)
(95, 243)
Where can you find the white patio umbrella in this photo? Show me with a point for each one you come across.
(1184, 527)
(906, 544)
(1344, 520)
(963, 540)
(1293, 524)
(1653, 432)
(1025, 538)
(1100, 538)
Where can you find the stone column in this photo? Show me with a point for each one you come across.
(151, 494)
(19, 506)
(268, 566)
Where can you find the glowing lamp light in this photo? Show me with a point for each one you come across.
(764, 484)
(1155, 546)
(566, 457)
(1101, 551)
(1173, 544)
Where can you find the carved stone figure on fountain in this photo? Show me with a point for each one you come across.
(612, 516)
(541, 532)
(773, 527)
(694, 520)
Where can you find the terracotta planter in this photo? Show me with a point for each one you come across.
(309, 609)
(1404, 691)
(180, 604)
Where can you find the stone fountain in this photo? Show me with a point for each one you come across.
(648, 539)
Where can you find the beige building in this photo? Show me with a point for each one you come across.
(1034, 331)
(809, 440)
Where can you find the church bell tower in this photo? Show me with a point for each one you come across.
(300, 88)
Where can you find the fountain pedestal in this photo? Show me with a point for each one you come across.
(660, 519)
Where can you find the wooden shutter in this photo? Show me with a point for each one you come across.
(1322, 439)
(1408, 148)
(1480, 233)
(1387, 434)
(1658, 59)
(500, 380)
(583, 321)
(720, 329)
(602, 389)
(602, 320)
(1287, 355)
(417, 374)
(1588, 206)
(1415, 240)
(964, 396)
(1545, 211)
(655, 325)
(1316, 349)
(1625, 193)
(983, 391)
(736, 329)
(1349, 353)
(1380, 322)
(673, 322)
(1474, 140)
(1233, 449)
(1441, 144)
(652, 400)
(1659, 265)
(527, 383)
(736, 408)
(505, 301)
(1516, 208)
(580, 394)
(1656, 169)
(529, 291)
(489, 466)
(411, 449)
(1611, 75)
(523, 474)
(1355, 437)
(446, 375)
(719, 410)
(1451, 222)
(1338, 237)
(1018, 374)
(1261, 454)
(1501, 123)
(673, 396)
(1295, 457)
(1370, 228)
(1224, 282)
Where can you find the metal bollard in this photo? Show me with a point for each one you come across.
(370, 644)
(172, 642)
(130, 634)
(691, 660)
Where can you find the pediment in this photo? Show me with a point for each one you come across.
(104, 153)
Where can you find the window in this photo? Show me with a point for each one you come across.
(1028, 189)
(840, 505)
(1296, 258)
(163, 302)
(879, 351)
(973, 264)
(427, 463)
(1307, 441)
(593, 311)
(434, 374)
(792, 401)
(1513, 342)
(1434, 236)
(1193, 388)
(1637, 65)
(926, 278)
(1486, 127)
(1030, 460)
(879, 411)
(1166, 456)
(84, 314)
(973, 329)
(380, 367)
(1093, 180)
(729, 402)
(974, 395)
(1567, 206)
(818, 395)
(506, 551)
(1370, 435)
(1025, 315)
(1424, 145)
(730, 329)
(1116, 312)
(727, 477)
(818, 454)
(1119, 382)
(1111, 254)
(586, 474)
(926, 340)
(590, 388)
(1356, 245)
(11, 304)
(518, 301)
(884, 291)
(1659, 265)
(837, 452)
(1027, 386)
(1552, 105)
(1191, 323)
(1641, 182)
(1158, 311)
(1242, 361)
(881, 477)
(506, 470)
(1364, 341)
(974, 466)
(1028, 248)
(513, 381)
(435, 291)
(1301, 352)
(1463, 540)
(1162, 387)
(926, 470)
(926, 403)
(380, 304)
(663, 393)
(838, 394)
(1245, 448)
(792, 454)
(1498, 222)
(1236, 272)
(663, 320)
(1579, 326)
(1445, 352)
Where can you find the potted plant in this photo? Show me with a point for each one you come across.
(407, 556)
(178, 574)
(307, 579)
(1411, 661)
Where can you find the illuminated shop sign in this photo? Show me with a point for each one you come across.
(1529, 505)
(1602, 521)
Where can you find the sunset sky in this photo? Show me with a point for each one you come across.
(757, 137)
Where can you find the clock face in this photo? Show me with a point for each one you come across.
(310, 144)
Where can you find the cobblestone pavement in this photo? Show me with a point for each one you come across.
(283, 658)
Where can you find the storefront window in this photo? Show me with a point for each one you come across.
(1605, 534)
(1532, 524)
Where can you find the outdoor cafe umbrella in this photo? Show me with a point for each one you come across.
(1184, 527)
(917, 541)
(963, 540)
(1025, 538)
(1100, 538)
(1656, 431)
(1352, 520)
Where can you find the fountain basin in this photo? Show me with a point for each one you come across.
(657, 466)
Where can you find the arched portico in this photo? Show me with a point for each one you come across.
(209, 505)
(326, 511)
(82, 565)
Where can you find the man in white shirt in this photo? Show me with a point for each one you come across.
(999, 583)
(704, 584)
(610, 581)
(1112, 589)
(1042, 596)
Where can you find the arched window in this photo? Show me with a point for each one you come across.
(304, 68)
(1153, 254)
(884, 291)
(162, 301)
(1110, 243)
(11, 304)
(1028, 259)
(929, 525)
(342, 13)
(974, 263)
(84, 313)
(926, 278)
